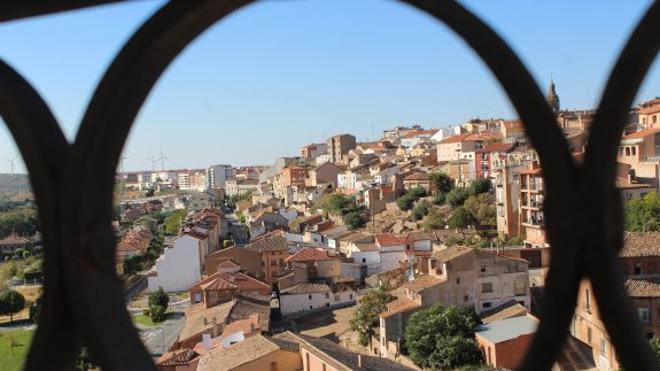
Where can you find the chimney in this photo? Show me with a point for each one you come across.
(206, 341)
(359, 360)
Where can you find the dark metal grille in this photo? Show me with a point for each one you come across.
(73, 183)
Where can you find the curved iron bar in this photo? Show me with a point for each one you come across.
(43, 147)
(604, 201)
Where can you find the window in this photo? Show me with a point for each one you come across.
(634, 151)
(483, 268)
(627, 151)
(603, 347)
(639, 268)
(589, 335)
(458, 281)
(273, 366)
(655, 118)
(587, 300)
(350, 297)
(307, 366)
(336, 297)
(487, 304)
(487, 287)
(310, 296)
(466, 297)
(644, 316)
(311, 307)
(327, 295)
(364, 260)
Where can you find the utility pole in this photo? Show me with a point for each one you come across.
(11, 162)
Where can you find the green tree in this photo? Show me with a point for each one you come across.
(480, 186)
(354, 220)
(365, 317)
(460, 218)
(440, 198)
(405, 202)
(34, 311)
(435, 220)
(442, 338)
(11, 302)
(158, 301)
(420, 210)
(457, 197)
(441, 182)
(655, 345)
(483, 209)
(173, 221)
(643, 214)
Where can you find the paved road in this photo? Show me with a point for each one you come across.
(165, 334)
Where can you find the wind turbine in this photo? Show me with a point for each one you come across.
(162, 159)
(11, 162)
(153, 163)
(121, 163)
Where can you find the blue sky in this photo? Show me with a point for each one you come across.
(280, 74)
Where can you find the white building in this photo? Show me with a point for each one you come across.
(217, 175)
(392, 250)
(181, 265)
(312, 296)
(441, 134)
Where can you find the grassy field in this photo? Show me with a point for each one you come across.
(12, 358)
(146, 320)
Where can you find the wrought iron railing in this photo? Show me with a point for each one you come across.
(73, 183)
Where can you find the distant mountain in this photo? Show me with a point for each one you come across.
(14, 183)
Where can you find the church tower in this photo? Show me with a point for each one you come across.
(552, 97)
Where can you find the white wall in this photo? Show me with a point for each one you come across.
(296, 303)
(391, 259)
(179, 267)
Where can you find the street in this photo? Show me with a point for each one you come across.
(165, 334)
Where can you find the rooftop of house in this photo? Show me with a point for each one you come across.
(496, 147)
(422, 282)
(417, 175)
(643, 287)
(642, 133)
(507, 310)
(309, 254)
(228, 264)
(625, 183)
(269, 242)
(199, 318)
(306, 288)
(639, 244)
(650, 107)
(400, 305)
(366, 246)
(248, 350)
(343, 359)
(508, 329)
(177, 358)
(230, 280)
(14, 239)
(451, 252)
(389, 239)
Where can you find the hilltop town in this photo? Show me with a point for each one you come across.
(346, 256)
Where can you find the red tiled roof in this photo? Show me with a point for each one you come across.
(390, 239)
(269, 242)
(399, 305)
(642, 133)
(309, 254)
(650, 107)
(643, 288)
(639, 244)
(14, 239)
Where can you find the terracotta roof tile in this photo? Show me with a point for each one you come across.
(400, 305)
(306, 288)
(309, 254)
(390, 239)
(643, 288)
(422, 282)
(638, 244)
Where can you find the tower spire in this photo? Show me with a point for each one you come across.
(552, 97)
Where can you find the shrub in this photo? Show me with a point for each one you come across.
(405, 202)
(480, 186)
(354, 220)
(457, 197)
(440, 198)
(420, 211)
(460, 218)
